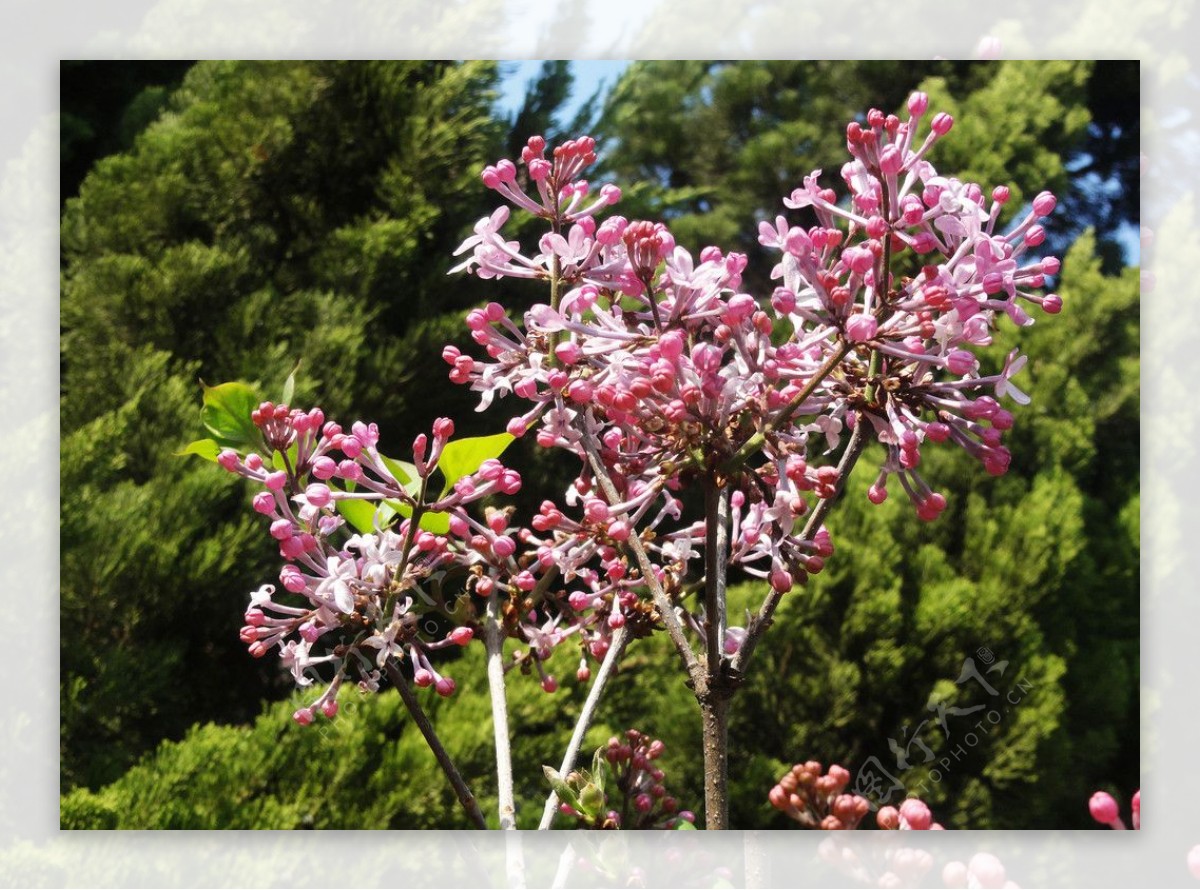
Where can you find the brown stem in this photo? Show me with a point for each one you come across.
(465, 797)
(714, 711)
(715, 695)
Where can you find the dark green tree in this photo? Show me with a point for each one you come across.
(275, 213)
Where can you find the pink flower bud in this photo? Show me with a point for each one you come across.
(861, 328)
(276, 481)
(568, 353)
(937, 431)
(960, 362)
(781, 580)
(941, 123)
(916, 813)
(318, 495)
(1052, 304)
(229, 459)
(324, 467)
(1103, 808)
(292, 547)
(888, 818)
(877, 494)
(549, 684)
(877, 227)
(1001, 194)
(281, 529)
(580, 392)
(504, 547)
(918, 103)
(670, 345)
(924, 242)
(304, 716)
(858, 259)
(445, 687)
(1044, 204)
(618, 530)
(890, 163)
(264, 503)
(423, 678)
(292, 579)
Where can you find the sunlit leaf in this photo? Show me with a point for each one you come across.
(462, 457)
(206, 448)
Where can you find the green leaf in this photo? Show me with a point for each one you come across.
(226, 413)
(359, 513)
(561, 788)
(206, 448)
(277, 461)
(405, 473)
(289, 386)
(462, 457)
(436, 522)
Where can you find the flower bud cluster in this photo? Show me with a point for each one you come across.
(627, 790)
(817, 799)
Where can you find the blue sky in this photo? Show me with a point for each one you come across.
(589, 74)
(592, 73)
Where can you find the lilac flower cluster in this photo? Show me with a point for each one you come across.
(657, 370)
(664, 360)
(350, 601)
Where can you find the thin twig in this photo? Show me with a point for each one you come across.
(616, 648)
(494, 641)
(760, 622)
(716, 553)
(465, 797)
(716, 694)
(665, 607)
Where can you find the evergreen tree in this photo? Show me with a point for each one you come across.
(276, 212)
